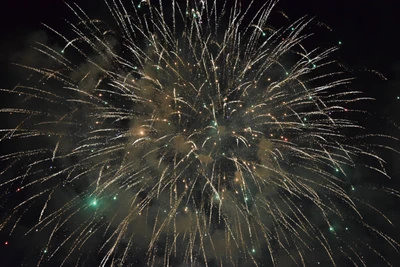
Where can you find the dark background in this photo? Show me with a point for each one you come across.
(368, 30)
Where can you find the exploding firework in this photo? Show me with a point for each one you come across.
(187, 133)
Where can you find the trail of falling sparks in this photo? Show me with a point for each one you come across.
(211, 130)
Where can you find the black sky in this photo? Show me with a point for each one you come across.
(369, 31)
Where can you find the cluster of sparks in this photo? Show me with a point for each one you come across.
(193, 131)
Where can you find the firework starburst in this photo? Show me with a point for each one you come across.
(190, 133)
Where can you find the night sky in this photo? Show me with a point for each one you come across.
(367, 30)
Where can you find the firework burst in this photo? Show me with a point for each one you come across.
(190, 133)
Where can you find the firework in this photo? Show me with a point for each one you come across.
(187, 133)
